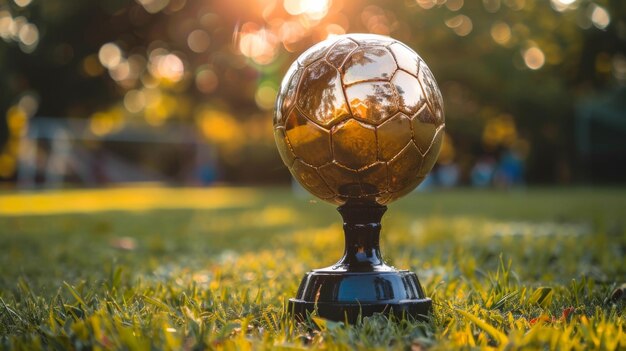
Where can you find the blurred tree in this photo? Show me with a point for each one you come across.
(510, 70)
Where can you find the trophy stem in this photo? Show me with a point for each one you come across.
(361, 226)
(360, 284)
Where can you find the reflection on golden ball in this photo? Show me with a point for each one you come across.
(359, 117)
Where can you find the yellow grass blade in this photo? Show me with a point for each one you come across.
(500, 337)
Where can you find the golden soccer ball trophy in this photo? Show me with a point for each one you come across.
(359, 123)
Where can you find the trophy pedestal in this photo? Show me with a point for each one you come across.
(361, 284)
(343, 296)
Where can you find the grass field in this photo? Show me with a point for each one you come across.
(156, 268)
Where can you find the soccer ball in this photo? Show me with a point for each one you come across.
(359, 118)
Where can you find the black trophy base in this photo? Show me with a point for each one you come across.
(346, 296)
(360, 284)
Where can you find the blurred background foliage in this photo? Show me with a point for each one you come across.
(186, 88)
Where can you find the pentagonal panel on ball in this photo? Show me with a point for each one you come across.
(374, 179)
(393, 135)
(284, 149)
(308, 177)
(341, 180)
(404, 168)
(287, 94)
(433, 94)
(339, 52)
(433, 153)
(368, 63)
(320, 95)
(406, 58)
(309, 141)
(354, 144)
(315, 52)
(425, 115)
(372, 102)
(423, 129)
(410, 94)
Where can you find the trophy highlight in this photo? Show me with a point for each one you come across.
(359, 123)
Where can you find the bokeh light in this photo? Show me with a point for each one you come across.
(16, 120)
(290, 32)
(563, 5)
(206, 80)
(600, 17)
(313, 9)
(110, 55)
(166, 65)
(501, 33)
(334, 29)
(134, 101)
(28, 103)
(492, 6)
(427, 4)
(454, 5)
(29, 34)
(376, 20)
(460, 24)
(91, 66)
(499, 131)
(219, 127)
(619, 68)
(120, 71)
(106, 122)
(266, 96)
(19, 30)
(258, 43)
(198, 41)
(6, 21)
(534, 58)
(22, 3)
(153, 6)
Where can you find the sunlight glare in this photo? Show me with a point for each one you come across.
(333, 30)
(314, 9)
(135, 198)
(290, 32)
